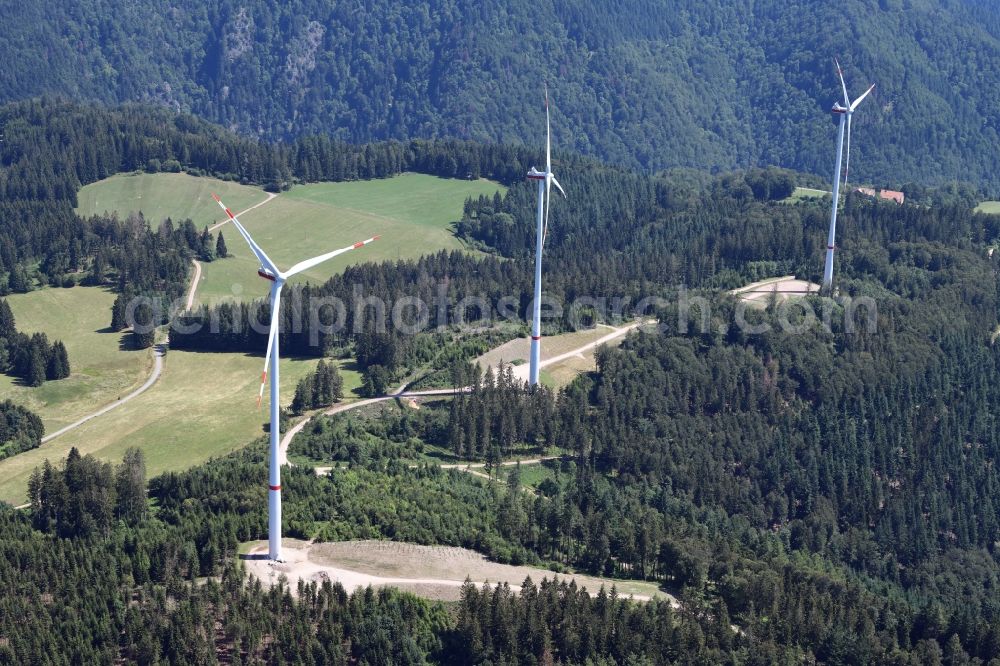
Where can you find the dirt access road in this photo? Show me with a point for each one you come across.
(159, 351)
(196, 279)
(401, 392)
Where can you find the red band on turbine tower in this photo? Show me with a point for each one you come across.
(536, 337)
(830, 247)
(275, 488)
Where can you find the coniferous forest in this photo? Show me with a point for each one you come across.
(824, 495)
(689, 83)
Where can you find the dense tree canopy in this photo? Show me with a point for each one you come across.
(717, 84)
(829, 491)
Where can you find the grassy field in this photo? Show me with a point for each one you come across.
(101, 371)
(806, 193)
(412, 212)
(161, 195)
(991, 207)
(533, 475)
(203, 406)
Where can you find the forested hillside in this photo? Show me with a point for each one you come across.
(828, 492)
(716, 84)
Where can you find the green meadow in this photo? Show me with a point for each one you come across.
(413, 214)
(101, 369)
(805, 194)
(204, 404)
(158, 196)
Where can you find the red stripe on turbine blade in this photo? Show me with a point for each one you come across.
(216, 197)
(276, 489)
(357, 245)
(375, 238)
(230, 214)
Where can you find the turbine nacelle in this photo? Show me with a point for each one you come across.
(266, 274)
(838, 108)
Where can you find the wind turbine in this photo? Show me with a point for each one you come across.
(270, 272)
(545, 181)
(845, 112)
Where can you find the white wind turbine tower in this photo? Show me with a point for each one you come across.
(845, 112)
(545, 181)
(269, 271)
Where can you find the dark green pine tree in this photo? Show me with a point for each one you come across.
(221, 251)
(19, 282)
(321, 386)
(64, 366)
(207, 252)
(7, 325)
(37, 364)
(130, 487)
(58, 363)
(143, 328)
(303, 395)
(118, 314)
(97, 268)
(336, 382)
(375, 381)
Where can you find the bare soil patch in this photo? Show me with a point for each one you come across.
(434, 572)
(783, 288)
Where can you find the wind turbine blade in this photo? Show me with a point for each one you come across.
(843, 86)
(261, 256)
(548, 135)
(272, 334)
(309, 263)
(559, 187)
(854, 104)
(548, 196)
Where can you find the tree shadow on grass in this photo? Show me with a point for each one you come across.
(125, 342)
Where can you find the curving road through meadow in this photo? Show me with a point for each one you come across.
(159, 351)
